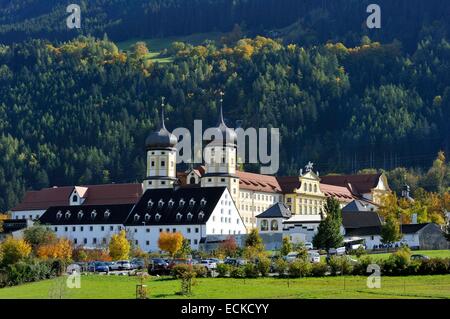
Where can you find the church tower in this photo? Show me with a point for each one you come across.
(220, 159)
(161, 157)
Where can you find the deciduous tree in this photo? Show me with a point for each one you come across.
(119, 246)
(14, 250)
(170, 242)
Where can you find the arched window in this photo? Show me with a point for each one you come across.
(74, 198)
(310, 187)
(274, 225)
(192, 180)
(315, 188)
(264, 225)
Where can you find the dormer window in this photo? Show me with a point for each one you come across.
(171, 203)
(147, 217)
(191, 203)
(80, 214)
(58, 215)
(136, 217)
(201, 215)
(182, 202)
(203, 202)
(74, 198)
(93, 214)
(67, 215)
(150, 204)
(107, 214)
(157, 217)
(160, 203)
(189, 216)
(179, 216)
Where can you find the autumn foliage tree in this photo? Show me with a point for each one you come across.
(14, 250)
(170, 242)
(229, 246)
(119, 246)
(61, 249)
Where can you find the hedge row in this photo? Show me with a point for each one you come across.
(30, 271)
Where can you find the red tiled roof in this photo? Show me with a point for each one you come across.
(258, 182)
(94, 195)
(340, 193)
(358, 184)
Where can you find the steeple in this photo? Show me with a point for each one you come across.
(226, 136)
(161, 138)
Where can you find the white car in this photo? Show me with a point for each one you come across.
(314, 257)
(121, 265)
(210, 265)
(291, 257)
(308, 245)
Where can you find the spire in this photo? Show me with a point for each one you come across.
(163, 125)
(221, 107)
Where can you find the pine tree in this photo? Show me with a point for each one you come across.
(329, 230)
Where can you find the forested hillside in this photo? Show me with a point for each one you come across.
(79, 112)
(75, 109)
(302, 21)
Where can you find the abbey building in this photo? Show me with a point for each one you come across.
(213, 199)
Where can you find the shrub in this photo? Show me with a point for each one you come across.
(359, 251)
(340, 265)
(179, 270)
(237, 272)
(299, 268)
(435, 266)
(398, 262)
(251, 270)
(264, 266)
(223, 270)
(360, 268)
(319, 269)
(200, 271)
(281, 267)
(23, 272)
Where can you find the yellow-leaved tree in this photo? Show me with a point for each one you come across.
(14, 250)
(170, 242)
(119, 246)
(61, 249)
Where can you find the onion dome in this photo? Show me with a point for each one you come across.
(224, 135)
(161, 138)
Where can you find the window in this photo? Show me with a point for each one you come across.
(66, 228)
(73, 228)
(147, 230)
(153, 164)
(264, 225)
(195, 241)
(56, 228)
(111, 228)
(196, 230)
(163, 163)
(147, 242)
(189, 230)
(94, 241)
(75, 241)
(192, 180)
(163, 183)
(85, 241)
(91, 228)
(222, 180)
(103, 228)
(174, 230)
(81, 228)
(274, 225)
(74, 198)
(136, 242)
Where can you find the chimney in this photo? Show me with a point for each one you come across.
(414, 219)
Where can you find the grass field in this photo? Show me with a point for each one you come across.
(156, 45)
(122, 287)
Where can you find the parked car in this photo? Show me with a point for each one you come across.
(158, 266)
(291, 256)
(419, 257)
(235, 261)
(138, 263)
(314, 256)
(121, 265)
(179, 261)
(216, 260)
(308, 245)
(98, 266)
(209, 264)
